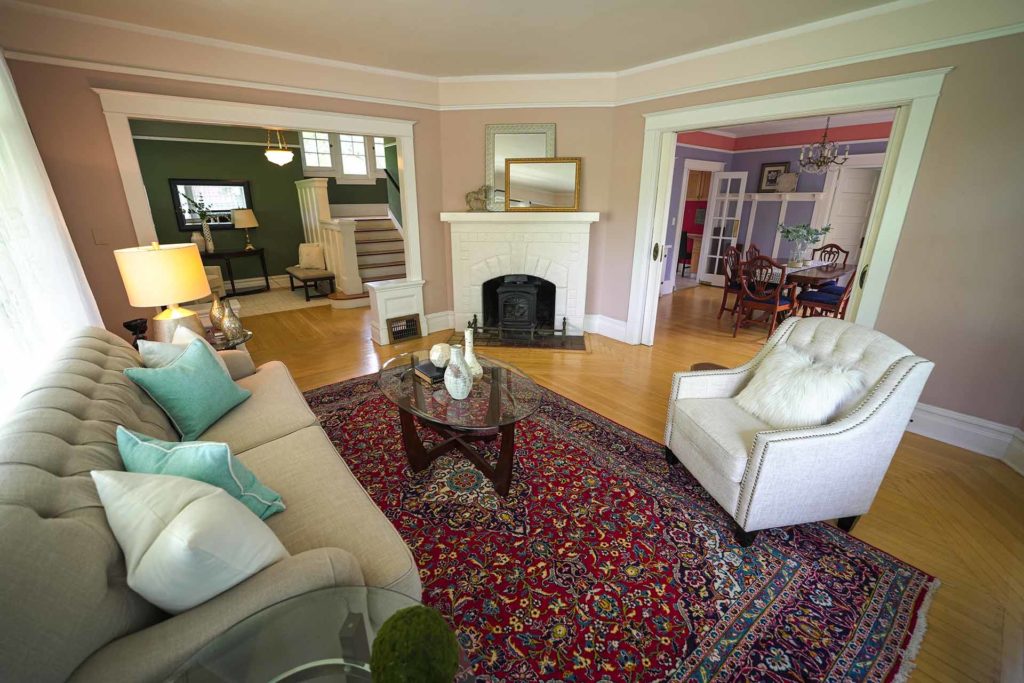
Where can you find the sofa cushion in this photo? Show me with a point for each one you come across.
(722, 431)
(207, 461)
(275, 409)
(184, 541)
(327, 507)
(62, 578)
(195, 389)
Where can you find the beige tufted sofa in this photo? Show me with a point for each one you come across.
(65, 608)
(766, 477)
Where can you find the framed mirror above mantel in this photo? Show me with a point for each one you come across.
(504, 141)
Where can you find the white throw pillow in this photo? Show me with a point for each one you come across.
(790, 389)
(184, 541)
(311, 255)
(159, 354)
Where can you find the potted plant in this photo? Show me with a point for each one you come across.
(414, 644)
(200, 208)
(802, 236)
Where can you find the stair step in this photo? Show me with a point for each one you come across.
(373, 270)
(379, 247)
(380, 257)
(367, 235)
(360, 239)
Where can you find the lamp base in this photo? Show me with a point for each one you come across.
(248, 245)
(163, 325)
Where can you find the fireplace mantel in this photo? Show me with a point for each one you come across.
(554, 246)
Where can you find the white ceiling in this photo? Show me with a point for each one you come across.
(747, 130)
(474, 37)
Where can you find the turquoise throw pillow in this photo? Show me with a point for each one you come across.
(193, 389)
(205, 461)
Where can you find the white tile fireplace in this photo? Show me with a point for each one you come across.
(554, 246)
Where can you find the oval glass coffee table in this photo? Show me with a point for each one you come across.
(502, 397)
(324, 635)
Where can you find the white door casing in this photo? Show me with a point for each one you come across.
(915, 94)
(721, 223)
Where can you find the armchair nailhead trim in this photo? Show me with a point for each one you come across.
(861, 419)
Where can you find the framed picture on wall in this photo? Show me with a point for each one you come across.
(770, 176)
(219, 195)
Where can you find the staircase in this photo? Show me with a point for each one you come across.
(380, 250)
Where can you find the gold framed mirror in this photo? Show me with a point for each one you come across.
(541, 184)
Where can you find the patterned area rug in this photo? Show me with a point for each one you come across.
(604, 564)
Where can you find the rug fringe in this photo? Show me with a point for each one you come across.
(907, 662)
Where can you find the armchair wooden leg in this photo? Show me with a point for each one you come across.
(670, 457)
(847, 523)
(745, 538)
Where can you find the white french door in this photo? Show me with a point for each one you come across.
(851, 208)
(721, 224)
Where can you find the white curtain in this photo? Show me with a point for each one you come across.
(43, 291)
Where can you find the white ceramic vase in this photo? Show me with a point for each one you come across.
(475, 368)
(208, 237)
(457, 378)
(439, 355)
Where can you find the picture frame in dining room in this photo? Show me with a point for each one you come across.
(770, 173)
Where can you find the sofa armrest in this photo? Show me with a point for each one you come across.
(836, 468)
(239, 363)
(155, 653)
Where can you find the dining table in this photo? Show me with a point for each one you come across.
(816, 273)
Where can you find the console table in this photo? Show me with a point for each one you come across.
(227, 256)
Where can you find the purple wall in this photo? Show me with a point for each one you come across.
(684, 152)
(767, 219)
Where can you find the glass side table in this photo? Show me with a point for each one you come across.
(325, 635)
(222, 343)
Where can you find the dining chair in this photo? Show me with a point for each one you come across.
(764, 288)
(732, 264)
(830, 254)
(753, 251)
(828, 301)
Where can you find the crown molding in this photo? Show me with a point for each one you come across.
(594, 89)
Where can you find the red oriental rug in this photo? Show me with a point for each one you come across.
(604, 564)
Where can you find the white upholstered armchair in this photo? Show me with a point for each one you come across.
(767, 477)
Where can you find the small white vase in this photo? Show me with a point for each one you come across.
(208, 237)
(439, 355)
(198, 240)
(457, 378)
(475, 368)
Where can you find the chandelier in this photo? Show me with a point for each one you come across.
(279, 155)
(819, 157)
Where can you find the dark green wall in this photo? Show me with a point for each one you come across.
(393, 191)
(274, 198)
(357, 194)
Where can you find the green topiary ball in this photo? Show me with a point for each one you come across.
(414, 645)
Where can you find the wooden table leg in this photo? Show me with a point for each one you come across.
(503, 472)
(419, 460)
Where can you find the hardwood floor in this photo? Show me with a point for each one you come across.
(953, 513)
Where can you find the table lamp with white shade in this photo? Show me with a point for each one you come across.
(164, 275)
(244, 219)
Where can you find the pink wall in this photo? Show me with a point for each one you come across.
(972, 331)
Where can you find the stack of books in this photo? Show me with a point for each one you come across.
(429, 373)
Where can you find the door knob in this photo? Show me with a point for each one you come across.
(863, 275)
(657, 252)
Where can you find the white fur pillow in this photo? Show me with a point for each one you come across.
(790, 389)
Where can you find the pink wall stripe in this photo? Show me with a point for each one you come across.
(865, 131)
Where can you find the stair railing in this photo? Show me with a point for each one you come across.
(337, 236)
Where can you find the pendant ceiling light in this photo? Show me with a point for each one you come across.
(280, 154)
(821, 156)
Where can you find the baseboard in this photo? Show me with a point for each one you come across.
(1015, 453)
(442, 320)
(605, 326)
(966, 431)
(358, 210)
